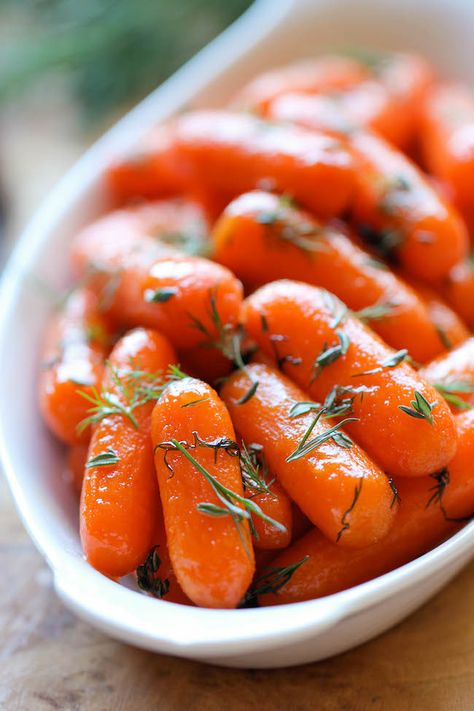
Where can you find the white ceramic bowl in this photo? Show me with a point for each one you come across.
(271, 32)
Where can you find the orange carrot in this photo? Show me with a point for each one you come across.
(72, 363)
(232, 153)
(446, 135)
(195, 457)
(119, 494)
(310, 76)
(453, 375)
(192, 300)
(402, 214)
(430, 510)
(117, 250)
(335, 484)
(402, 422)
(261, 237)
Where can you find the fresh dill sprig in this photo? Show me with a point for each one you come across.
(133, 389)
(340, 399)
(104, 459)
(272, 580)
(290, 228)
(302, 408)
(146, 575)
(420, 408)
(254, 469)
(232, 504)
(306, 445)
(450, 391)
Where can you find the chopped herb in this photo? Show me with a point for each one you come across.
(330, 354)
(396, 496)
(193, 403)
(306, 445)
(390, 362)
(160, 296)
(337, 403)
(450, 392)
(254, 469)
(104, 459)
(344, 521)
(443, 337)
(420, 408)
(272, 580)
(442, 480)
(376, 312)
(337, 308)
(146, 575)
(301, 408)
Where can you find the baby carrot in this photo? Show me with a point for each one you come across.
(334, 483)
(402, 422)
(119, 493)
(115, 251)
(446, 136)
(453, 375)
(192, 300)
(458, 290)
(198, 468)
(430, 510)
(311, 76)
(402, 214)
(72, 363)
(232, 153)
(262, 237)
(387, 99)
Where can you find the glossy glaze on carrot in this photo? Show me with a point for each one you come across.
(340, 489)
(72, 363)
(211, 555)
(261, 238)
(430, 510)
(119, 498)
(296, 324)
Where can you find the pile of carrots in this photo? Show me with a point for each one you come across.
(265, 372)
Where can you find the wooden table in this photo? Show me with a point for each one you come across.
(51, 660)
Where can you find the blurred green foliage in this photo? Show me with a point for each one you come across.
(110, 51)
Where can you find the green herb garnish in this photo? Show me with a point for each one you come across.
(420, 408)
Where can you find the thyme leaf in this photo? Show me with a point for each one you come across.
(391, 362)
(420, 408)
(376, 312)
(450, 392)
(104, 459)
(329, 354)
(344, 521)
(160, 296)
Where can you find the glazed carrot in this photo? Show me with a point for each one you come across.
(76, 462)
(261, 237)
(453, 374)
(446, 136)
(116, 250)
(458, 290)
(402, 214)
(232, 153)
(387, 100)
(210, 549)
(156, 575)
(336, 485)
(260, 486)
(72, 363)
(430, 510)
(323, 74)
(119, 494)
(192, 300)
(310, 336)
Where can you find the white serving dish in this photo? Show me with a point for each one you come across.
(271, 32)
